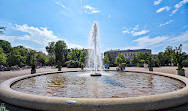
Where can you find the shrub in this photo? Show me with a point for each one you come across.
(73, 64)
(185, 63)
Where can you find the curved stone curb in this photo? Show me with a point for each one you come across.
(153, 102)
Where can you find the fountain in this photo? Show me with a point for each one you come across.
(78, 91)
(94, 57)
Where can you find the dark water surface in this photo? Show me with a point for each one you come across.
(111, 85)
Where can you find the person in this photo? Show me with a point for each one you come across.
(106, 66)
(118, 68)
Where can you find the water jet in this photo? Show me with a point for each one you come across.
(95, 60)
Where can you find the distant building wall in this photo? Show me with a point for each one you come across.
(127, 53)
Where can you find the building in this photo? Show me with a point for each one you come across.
(127, 53)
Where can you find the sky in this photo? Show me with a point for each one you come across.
(123, 24)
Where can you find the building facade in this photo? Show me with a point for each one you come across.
(127, 53)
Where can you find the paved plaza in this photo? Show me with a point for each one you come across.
(4, 75)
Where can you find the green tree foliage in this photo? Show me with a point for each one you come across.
(42, 59)
(73, 64)
(61, 52)
(76, 57)
(3, 57)
(83, 56)
(31, 57)
(14, 58)
(51, 60)
(155, 60)
(142, 58)
(185, 63)
(109, 57)
(5, 45)
(23, 52)
(106, 60)
(169, 55)
(134, 60)
(179, 56)
(120, 59)
(161, 59)
(150, 61)
(50, 48)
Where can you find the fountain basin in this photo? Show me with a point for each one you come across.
(96, 74)
(152, 102)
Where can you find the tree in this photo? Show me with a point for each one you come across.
(41, 59)
(179, 56)
(5, 45)
(50, 48)
(134, 60)
(169, 53)
(109, 57)
(83, 56)
(51, 60)
(150, 61)
(3, 57)
(23, 52)
(30, 58)
(76, 57)
(120, 59)
(155, 60)
(161, 59)
(142, 58)
(14, 58)
(106, 60)
(60, 52)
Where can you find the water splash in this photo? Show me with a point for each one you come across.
(94, 56)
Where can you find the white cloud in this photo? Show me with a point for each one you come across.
(7, 38)
(136, 27)
(25, 37)
(26, 46)
(37, 35)
(161, 42)
(146, 41)
(178, 5)
(181, 38)
(185, 47)
(63, 6)
(167, 8)
(140, 33)
(173, 12)
(90, 10)
(181, 3)
(130, 30)
(157, 2)
(109, 16)
(70, 45)
(170, 21)
(126, 31)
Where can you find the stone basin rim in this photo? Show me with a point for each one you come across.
(152, 102)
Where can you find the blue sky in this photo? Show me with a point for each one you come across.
(123, 24)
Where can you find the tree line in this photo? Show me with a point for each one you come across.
(57, 52)
(166, 58)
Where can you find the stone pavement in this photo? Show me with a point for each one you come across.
(5, 75)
